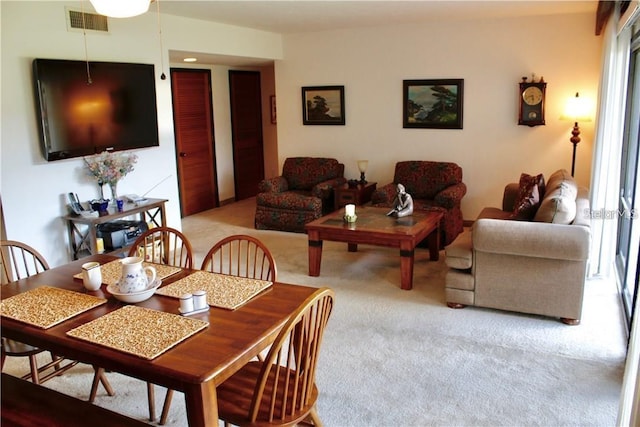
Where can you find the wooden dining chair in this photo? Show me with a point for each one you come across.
(281, 390)
(163, 245)
(20, 260)
(237, 255)
(243, 256)
(167, 246)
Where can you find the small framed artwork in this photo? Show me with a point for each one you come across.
(433, 104)
(274, 118)
(323, 105)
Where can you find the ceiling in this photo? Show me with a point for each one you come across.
(297, 16)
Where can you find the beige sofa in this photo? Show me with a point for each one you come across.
(530, 266)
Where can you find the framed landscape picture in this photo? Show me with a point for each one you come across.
(433, 104)
(323, 105)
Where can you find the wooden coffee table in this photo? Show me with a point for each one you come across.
(374, 227)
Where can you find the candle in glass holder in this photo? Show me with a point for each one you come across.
(350, 210)
(100, 245)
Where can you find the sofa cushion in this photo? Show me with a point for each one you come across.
(459, 254)
(563, 178)
(425, 179)
(303, 173)
(528, 199)
(559, 204)
(289, 201)
(493, 213)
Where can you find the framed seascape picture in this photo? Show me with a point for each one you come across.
(323, 105)
(433, 104)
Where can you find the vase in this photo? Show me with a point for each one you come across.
(114, 191)
(101, 185)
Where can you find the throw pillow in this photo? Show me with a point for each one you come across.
(562, 178)
(559, 204)
(558, 207)
(528, 199)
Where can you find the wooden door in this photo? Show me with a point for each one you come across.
(246, 126)
(195, 146)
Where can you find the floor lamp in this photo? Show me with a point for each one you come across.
(576, 110)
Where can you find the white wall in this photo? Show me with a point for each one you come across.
(371, 63)
(491, 57)
(32, 189)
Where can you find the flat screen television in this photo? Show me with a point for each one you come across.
(113, 110)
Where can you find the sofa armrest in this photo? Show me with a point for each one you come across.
(324, 189)
(451, 196)
(509, 197)
(384, 195)
(532, 239)
(276, 184)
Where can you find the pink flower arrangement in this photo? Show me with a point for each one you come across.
(109, 167)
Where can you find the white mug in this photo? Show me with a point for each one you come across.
(92, 275)
(134, 276)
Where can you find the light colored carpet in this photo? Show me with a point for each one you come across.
(403, 358)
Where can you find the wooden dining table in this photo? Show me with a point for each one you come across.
(195, 366)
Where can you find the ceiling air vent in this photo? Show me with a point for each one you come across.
(92, 21)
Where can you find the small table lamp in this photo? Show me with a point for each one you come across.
(576, 110)
(362, 167)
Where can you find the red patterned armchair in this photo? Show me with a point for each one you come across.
(303, 193)
(432, 185)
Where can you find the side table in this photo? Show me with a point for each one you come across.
(358, 195)
(82, 241)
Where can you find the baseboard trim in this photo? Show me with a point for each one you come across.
(227, 201)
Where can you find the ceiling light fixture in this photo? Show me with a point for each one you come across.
(163, 76)
(120, 8)
(190, 60)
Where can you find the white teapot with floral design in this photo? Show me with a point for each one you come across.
(134, 275)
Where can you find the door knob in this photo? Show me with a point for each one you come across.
(183, 154)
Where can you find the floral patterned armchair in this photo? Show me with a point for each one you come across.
(432, 185)
(303, 193)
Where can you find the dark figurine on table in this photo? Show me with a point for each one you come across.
(402, 204)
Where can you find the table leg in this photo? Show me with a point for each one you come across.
(406, 268)
(93, 240)
(315, 255)
(434, 244)
(72, 241)
(352, 247)
(202, 404)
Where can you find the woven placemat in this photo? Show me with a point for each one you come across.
(139, 331)
(223, 291)
(46, 306)
(112, 271)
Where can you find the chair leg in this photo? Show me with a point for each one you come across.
(55, 358)
(106, 384)
(151, 396)
(100, 377)
(315, 418)
(33, 363)
(166, 406)
(98, 372)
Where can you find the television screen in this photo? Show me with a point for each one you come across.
(87, 109)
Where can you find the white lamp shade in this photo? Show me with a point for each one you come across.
(362, 165)
(577, 109)
(120, 8)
